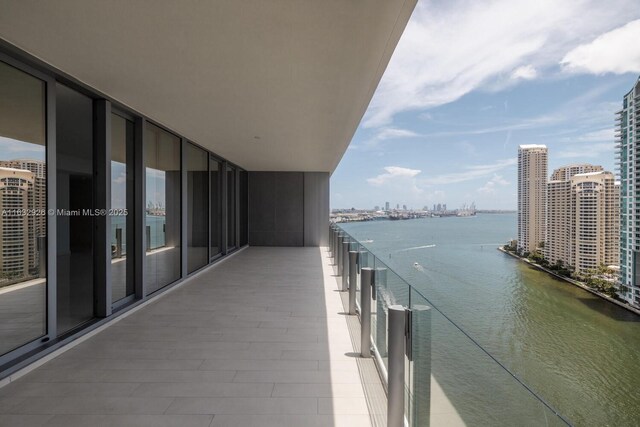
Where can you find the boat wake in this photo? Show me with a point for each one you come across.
(416, 247)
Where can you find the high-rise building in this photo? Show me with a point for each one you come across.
(37, 202)
(594, 202)
(532, 194)
(404, 207)
(582, 217)
(17, 229)
(386, 206)
(559, 216)
(628, 145)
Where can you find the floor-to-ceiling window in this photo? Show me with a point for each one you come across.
(75, 229)
(23, 227)
(162, 204)
(243, 214)
(215, 207)
(197, 207)
(215, 186)
(231, 207)
(122, 202)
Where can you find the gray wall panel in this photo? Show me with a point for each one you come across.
(288, 208)
(316, 208)
(276, 208)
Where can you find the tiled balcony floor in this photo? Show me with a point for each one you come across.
(258, 340)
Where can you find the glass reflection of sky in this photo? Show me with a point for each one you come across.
(156, 183)
(118, 185)
(11, 149)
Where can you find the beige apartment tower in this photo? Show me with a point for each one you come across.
(595, 200)
(559, 212)
(16, 229)
(582, 217)
(532, 196)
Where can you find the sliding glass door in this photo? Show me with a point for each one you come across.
(197, 208)
(75, 229)
(23, 226)
(122, 233)
(232, 211)
(215, 186)
(162, 216)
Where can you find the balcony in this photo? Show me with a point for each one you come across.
(262, 338)
(259, 339)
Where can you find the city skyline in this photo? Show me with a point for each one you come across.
(434, 133)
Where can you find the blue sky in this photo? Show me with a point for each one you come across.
(469, 82)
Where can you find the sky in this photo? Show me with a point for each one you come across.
(470, 81)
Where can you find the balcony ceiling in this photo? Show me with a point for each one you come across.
(268, 84)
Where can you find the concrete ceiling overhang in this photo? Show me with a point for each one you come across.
(268, 84)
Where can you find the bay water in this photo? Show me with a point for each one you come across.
(581, 354)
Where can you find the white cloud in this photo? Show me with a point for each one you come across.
(593, 150)
(593, 136)
(121, 179)
(492, 184)
(391, 133)
(593, 144)
(384, 134)
(452, 48)
(617, 51)
(526, 72)
(471, 172)
(393, 172)
(400, 183)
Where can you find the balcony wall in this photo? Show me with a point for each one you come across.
(288, 208)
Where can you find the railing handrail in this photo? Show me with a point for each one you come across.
(485, 351)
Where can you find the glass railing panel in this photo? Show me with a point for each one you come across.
(449, 378)
(380, 310)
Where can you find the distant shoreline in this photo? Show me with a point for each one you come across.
(388, 218)
(573, 282)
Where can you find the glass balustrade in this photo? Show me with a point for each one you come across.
(449, 377)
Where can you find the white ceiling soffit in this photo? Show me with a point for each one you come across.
(268, 84)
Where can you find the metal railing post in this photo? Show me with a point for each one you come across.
(345, 263)
(148, 230)
(118, 242)
(353, 280)
(338, 263)
(395, 398)
(421, 360)
(42, 256)
(333, 242)
(366, 285)
(332, 232)
(381, 314)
